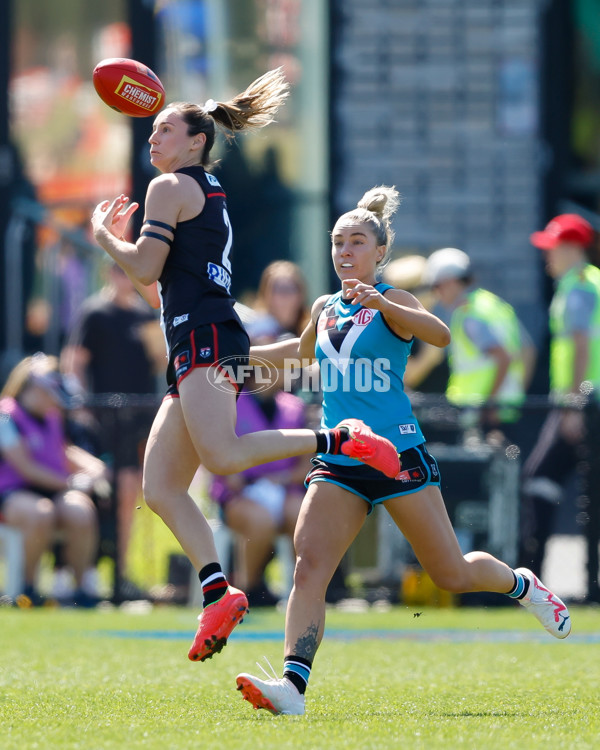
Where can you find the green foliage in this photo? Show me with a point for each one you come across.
(459, 678)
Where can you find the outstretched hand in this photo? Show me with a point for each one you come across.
(362, 294)
(113, 216)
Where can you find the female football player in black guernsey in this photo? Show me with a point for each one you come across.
(185, 245)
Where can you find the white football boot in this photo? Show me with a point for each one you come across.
(279, 696)
(546, 606)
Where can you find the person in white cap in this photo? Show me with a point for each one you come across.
(491, 355)
(427, 367)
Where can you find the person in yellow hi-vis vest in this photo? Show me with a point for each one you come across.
(574, 374)
(491, 355)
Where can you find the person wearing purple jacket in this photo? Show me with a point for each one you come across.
(44, 482)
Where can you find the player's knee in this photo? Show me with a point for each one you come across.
(220, 463)
(155, 495)
(310, 572)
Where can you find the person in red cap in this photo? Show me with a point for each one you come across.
(574, 375)
(565, 230)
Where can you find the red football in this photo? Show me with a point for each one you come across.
(129, 86)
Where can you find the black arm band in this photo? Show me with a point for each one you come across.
(160, 224)
(157, 236)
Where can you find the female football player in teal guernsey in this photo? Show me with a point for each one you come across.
(361, 338)
(181, 262)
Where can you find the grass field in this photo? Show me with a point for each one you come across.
(458, 678)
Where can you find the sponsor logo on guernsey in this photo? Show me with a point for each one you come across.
(219, 275)
(143, 96)
(181, 361)
(325, 323)
(407, 429)
(177, 321)
(410, 475)
(363, 317)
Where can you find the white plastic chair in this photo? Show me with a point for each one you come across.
(11, 549)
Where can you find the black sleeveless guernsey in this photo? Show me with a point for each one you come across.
(195, 282)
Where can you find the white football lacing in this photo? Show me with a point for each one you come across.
(273, 675)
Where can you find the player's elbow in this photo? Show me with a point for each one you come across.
(146, 276)
(150, 295)
(306, 352)
(443, 337)
(142, 271)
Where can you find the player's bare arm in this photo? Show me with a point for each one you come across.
(309, 334)
(403, 312)
(302, 348)
(275, 353)
(144, 260)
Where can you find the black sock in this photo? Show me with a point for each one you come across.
(297, 671)
(331, 441)
(213, 582)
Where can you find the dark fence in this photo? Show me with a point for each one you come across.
(454, 438)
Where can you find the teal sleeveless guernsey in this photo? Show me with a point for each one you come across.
(362, 364)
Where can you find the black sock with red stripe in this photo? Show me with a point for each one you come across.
(213, 582)
(331, 441)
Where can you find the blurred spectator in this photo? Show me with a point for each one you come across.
(427, 366)
(262, 502)
(44, 482)
(281, 300)
(117, 346)
(491, 356)
(70, 278)
(21, 237)
(61, 286)
(574, 374)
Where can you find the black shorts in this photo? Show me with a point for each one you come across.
(224, 346)
(419, 469)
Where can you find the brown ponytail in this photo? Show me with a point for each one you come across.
(252, 109)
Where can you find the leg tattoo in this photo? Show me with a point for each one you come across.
(307, 644)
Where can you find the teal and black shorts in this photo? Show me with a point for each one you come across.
(419, 469)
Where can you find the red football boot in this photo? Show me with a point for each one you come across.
(216, 623)
(371, 449)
